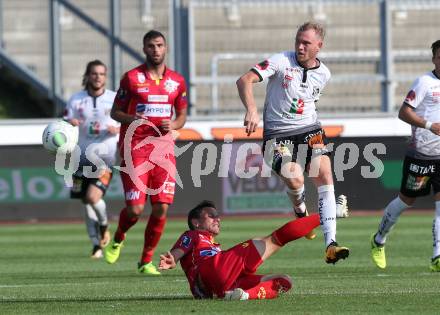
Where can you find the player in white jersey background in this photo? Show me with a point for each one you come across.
(294, 141)
(421, 167)
(90, 109)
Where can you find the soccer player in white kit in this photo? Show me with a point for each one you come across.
(294, 141)
(421, 167)
(98, 138)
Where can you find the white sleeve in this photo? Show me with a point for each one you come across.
(268, 67)
(417, 93)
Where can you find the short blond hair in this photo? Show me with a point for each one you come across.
(317, 27)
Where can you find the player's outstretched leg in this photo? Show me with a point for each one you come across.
(297, 196)
(269, 288)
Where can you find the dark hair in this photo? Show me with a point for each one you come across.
(89, 67)
(435, 46)
(196, 212)
(152, 35)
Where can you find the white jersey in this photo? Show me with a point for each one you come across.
(291, 94)
(424, 97)
(94, 115)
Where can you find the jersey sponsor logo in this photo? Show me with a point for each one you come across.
(171, 85)
(158, 98)
(261, 293)
(416, 182)
(154, 110)
(143, 90)
(209, 252)
(140, 108)
(297, 106)
(141, 77)
(169, 188)
(290, 69)
(286, 81)
(186, 241)
(94, 128)
(263, 65)
(411, 96)
(132, 195)
(422, 170)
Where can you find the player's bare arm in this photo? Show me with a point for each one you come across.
(121, 116)
(177, 123)
(245, 91)
(407, 114)
(170, 259)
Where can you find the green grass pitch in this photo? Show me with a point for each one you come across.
(45, 268)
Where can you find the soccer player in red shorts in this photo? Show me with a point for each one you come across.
(148, 97)
(231, 274)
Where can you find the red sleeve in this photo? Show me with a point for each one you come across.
(123, 96)
(181, 100)
(185, 242)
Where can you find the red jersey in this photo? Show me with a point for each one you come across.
(155, 100)
(197, 246)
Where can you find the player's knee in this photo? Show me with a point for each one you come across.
(407, 200)
(91, 199)
(295, 183)
(135, 210)
(159, 209)
(285, 283)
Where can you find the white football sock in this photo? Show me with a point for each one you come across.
(101, 212)
(390, 217)
(92, 224)
(436, 230)
(297, 197)
(327, 212)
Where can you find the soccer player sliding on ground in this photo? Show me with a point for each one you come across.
(231, 274)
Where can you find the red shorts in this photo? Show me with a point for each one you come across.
(157, 181)
(231, 268)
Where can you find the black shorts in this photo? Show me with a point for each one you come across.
(81, 184)
(418, 176)
(300, 148)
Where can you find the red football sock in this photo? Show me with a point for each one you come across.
(269, 289)
(295, 229)
(125, 223)
(152, 235)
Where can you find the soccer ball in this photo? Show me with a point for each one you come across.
(60, 136)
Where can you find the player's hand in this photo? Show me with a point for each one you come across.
(167, 261)
(112, 130)
(166, 125)
(75, 122)
(251, 121)
(435, 128)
